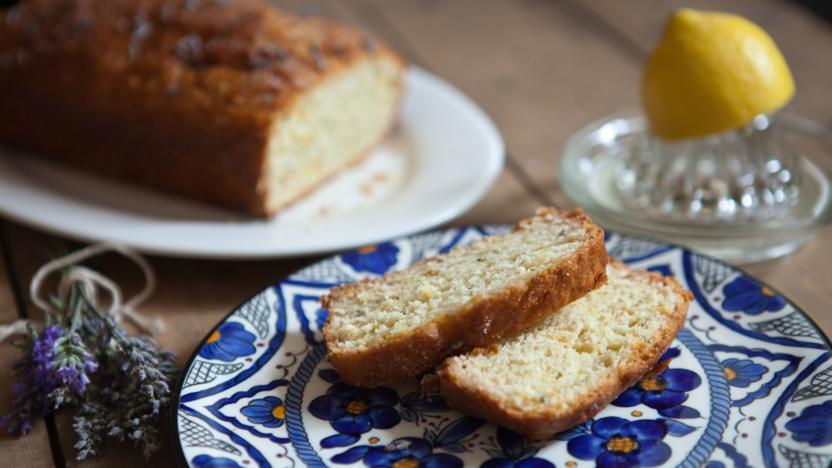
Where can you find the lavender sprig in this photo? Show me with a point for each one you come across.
(74, 365)
(33, 381)
(130, 407)
(117, 384)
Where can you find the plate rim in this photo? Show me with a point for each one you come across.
(492, 167)
(173, 417)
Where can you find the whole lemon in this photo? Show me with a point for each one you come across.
(712, 72)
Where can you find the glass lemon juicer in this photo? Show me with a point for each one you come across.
(752, 192)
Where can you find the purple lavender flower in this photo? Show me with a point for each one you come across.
(71, 377)
(90, 364)
(72, 364)
(34, 381)
(75, 375)
(43, 346)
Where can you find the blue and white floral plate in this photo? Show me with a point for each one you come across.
(748, 382)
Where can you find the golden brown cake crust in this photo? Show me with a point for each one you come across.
(540, 424)
(482, 322)
(176, 94)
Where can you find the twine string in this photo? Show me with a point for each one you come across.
(91, 282)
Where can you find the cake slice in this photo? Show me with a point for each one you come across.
(568, 367)
(385, 329)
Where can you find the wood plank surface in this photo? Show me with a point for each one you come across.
(541, 70)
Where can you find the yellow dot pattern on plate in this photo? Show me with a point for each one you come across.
(279, 412)
(214, 337)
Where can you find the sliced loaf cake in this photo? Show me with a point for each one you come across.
(385, 329)
(568, 367)
(233, 103)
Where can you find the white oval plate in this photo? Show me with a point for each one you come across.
(442, 159)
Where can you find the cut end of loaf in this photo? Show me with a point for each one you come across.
(568, 367)
(330, 128)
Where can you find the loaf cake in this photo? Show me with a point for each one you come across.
(571, 365)
(228, 102)
(381, 330)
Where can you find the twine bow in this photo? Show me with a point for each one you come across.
(92, 281)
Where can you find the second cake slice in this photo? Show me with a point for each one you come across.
(385, 329)
(567, 368)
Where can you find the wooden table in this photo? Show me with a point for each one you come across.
(541, 69)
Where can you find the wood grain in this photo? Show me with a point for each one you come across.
(541, 69)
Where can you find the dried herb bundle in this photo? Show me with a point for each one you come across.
(117, 385)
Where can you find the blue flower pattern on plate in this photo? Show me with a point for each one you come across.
(745, 294)
(228, 342)
(353, 411)
(814, 425)
(207, 461)
(376, 258)
(663, 390)
(268, 411)
(742, 372)
(617, 442)
(405, 452)
(516, 452)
